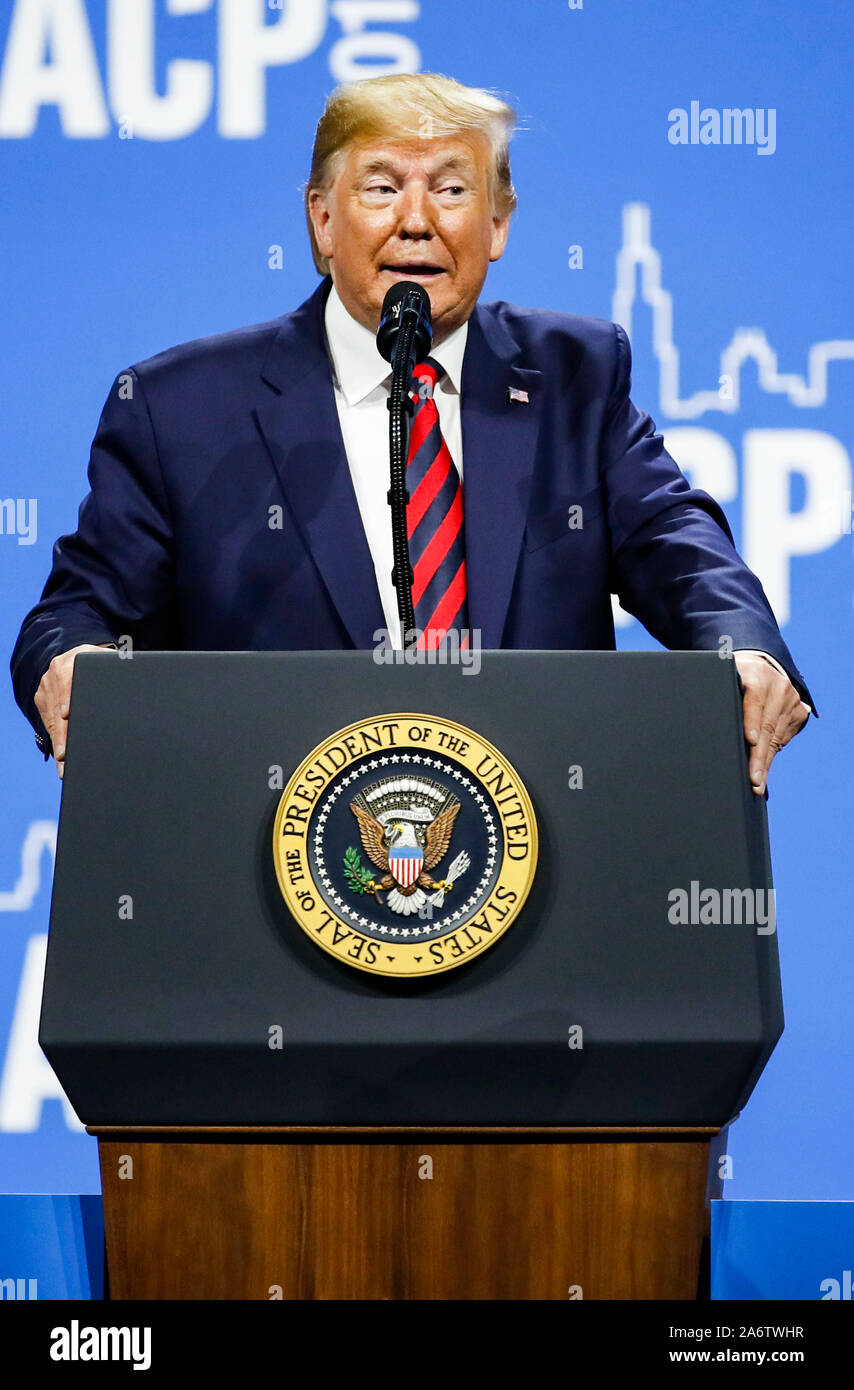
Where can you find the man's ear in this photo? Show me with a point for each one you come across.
(318, 211)
(500, 231)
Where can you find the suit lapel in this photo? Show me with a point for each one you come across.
(499, 444)
(303, 435)
(300, 426)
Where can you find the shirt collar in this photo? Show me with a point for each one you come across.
(359, 368)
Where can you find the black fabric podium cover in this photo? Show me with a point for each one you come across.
(164, 1018)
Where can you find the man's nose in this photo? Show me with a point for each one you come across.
(414, 215)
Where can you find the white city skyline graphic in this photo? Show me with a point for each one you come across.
(746, 344)
(40, 836)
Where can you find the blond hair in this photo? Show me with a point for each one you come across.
(408, 106)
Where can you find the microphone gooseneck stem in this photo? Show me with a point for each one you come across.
(400, 411)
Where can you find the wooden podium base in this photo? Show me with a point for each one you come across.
(438, 1213)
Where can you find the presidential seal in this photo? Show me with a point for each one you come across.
(405, 845)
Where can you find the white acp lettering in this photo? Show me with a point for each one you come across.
(772, 532)
(130, 64)
(50, 61)
(28, 1079)
(248, 46)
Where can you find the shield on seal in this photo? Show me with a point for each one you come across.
(406, 863)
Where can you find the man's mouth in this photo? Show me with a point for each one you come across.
(414, 270)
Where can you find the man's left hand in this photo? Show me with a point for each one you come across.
(773, 713)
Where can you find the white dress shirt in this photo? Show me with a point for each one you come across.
(362, 380)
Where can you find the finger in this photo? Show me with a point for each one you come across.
(775, 743)
(787, 726)
(64, 692)
(765, 710)
(759, 757)
(754, 721)
(57, 727)
(59, 751)
(767, 745)
(790, 719)
(753, 708)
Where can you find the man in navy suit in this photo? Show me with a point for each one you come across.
(238, 483)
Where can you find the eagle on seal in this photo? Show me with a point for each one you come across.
(433, 839)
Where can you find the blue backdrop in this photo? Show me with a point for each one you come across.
(152, 160)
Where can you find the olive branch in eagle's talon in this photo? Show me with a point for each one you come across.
(359, 879)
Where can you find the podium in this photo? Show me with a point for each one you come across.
(534, 1119)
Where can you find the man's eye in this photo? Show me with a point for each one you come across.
(380, 188)
(455, 188)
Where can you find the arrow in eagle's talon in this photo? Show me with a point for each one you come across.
(458, 868)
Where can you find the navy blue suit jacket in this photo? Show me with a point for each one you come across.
(196, 445)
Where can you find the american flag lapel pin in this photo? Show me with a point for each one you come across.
(516, 394)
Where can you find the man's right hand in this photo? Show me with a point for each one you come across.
(53, 697)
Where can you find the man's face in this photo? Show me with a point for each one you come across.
(416, 210)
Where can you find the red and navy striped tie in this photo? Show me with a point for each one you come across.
(434, 520)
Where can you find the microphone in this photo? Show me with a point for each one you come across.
(403, 338)
(407, 305)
